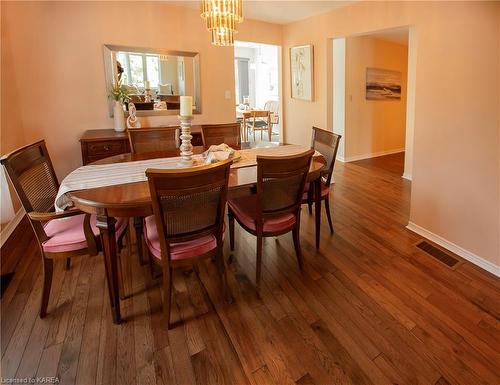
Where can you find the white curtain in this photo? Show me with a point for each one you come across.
(7, 210)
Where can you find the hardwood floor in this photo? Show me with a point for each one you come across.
(369, 308)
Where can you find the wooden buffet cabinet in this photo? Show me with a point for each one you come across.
(99, 144)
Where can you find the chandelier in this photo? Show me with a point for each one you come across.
(221, 18)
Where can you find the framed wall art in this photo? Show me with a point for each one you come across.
(301, 71)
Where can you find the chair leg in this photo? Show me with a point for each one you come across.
(219, 259)
(310, 197)
(296, 244)
(317, 214)
(258, 265)
(128, 238)
(48, 269)
(328, 215)
(68, 263)
(152, 266)
(167, 293)
(138, 226)
(231, 229)
(121, 281)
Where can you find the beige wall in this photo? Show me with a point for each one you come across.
(456, 146)
(53, 83)
(373, 126)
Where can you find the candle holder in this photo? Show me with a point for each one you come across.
(186, 146)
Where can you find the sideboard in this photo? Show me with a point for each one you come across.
(102, 143)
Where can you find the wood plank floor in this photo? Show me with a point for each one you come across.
(369, 308)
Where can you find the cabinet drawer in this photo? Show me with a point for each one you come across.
(106, 148)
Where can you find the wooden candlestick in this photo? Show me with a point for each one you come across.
(186, 146)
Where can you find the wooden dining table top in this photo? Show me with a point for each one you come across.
(133, 199)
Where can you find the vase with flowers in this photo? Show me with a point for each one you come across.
(119, 94)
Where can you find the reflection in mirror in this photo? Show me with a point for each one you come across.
(154, 79)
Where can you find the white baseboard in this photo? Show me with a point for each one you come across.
(371, 155)
(460, 251)
(11, 226)
(406, 176)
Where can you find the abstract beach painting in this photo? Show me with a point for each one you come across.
(383, 84)
(301, 63)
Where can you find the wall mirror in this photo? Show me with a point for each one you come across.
(155, 79)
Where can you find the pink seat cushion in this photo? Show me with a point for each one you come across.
(245, 210)
(324, 191)
(178, 251)
(66, 234)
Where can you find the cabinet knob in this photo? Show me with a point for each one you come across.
(106, 148)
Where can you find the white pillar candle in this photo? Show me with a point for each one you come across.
(186, 105)
(147, 85)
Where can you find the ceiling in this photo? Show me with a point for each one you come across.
(278, 11)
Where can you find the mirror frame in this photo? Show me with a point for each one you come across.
(109, 70)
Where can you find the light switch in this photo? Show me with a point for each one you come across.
(227, 94)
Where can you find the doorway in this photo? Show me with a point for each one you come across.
(257, 69)
(373, 97)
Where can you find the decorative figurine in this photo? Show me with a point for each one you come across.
(132, 120)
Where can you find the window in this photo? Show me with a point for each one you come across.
(137, 68)
(153, 70)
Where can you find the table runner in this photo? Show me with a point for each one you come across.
(101, 175)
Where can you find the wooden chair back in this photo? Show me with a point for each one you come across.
(280, 184)
(228, 133)
(264, 115)
(34, 179)
(327, 144)
(189, 203)
(144, 140)
(252, 117)
(260, 113)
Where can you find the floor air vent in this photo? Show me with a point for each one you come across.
(437, 253)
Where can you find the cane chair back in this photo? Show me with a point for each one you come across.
(32, 174)
(327, 144)
(33, 177)
(189, 203)
(154, 139)
(221, 133)
(280, 183)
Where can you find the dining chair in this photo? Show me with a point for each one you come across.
(228, 133)
(259, 120)
(153, 139)
(273, 106)
(35, 182)
(275, 208)
(188, 220)
(327, 144)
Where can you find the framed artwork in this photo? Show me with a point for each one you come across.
(301, 72)
(383, 84)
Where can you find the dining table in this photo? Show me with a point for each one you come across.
(133, 200)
